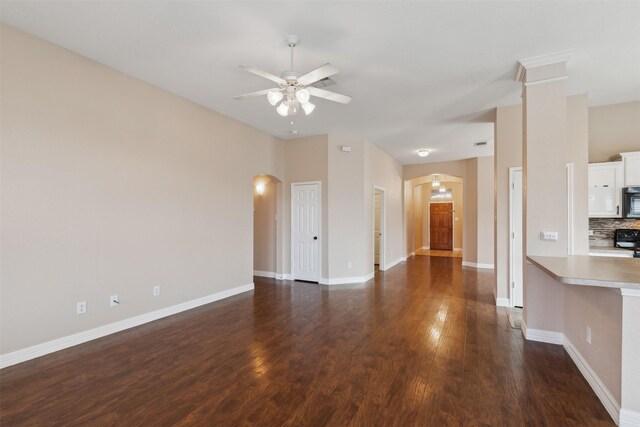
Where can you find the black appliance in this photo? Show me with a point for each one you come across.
(628, 239)
(631, 202)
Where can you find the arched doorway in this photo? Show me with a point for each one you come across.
(267, 200)
(435, 215)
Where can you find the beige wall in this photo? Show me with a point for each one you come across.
(264, 225)
(601, 310)
(508, 153)
(307, 160)
(470, 218)
(110, 185)
(613, 129)
(485, 211)
(346, 238)
(418, 219)
(383, 171)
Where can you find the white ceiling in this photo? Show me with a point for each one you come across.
(422, 74)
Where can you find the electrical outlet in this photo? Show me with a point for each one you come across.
(589, 335)
(156, 290)
(81, 307)
(548, 235)
(349, 265)
(114, 301)
(590, 232)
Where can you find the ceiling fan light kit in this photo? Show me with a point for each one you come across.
(295, 90)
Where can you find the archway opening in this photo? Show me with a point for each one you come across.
(435, 215)
(267, 194)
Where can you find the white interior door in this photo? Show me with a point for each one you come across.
(376, 227)
(516, 238)
(305, 231)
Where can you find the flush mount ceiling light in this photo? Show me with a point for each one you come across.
(435, 182)
(295, 91)
(423, 152)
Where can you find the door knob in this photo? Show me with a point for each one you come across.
(315, 237)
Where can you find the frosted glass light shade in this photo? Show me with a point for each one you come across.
(303, 96)
(274, 97)
(283, 109)
(308, 108)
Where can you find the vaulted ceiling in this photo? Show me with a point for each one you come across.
(421, 74)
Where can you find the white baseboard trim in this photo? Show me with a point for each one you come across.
(394, 263)
(58, 344)
(411, 254)
(629, 418)
(477, 265)
(605, 396)
(269, 274)
(347, 280)
(503, 302)
(540, 335)
(424, 248)
(284, 276)
(621, 416)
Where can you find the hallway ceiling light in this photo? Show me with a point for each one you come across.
(435, 182)
(423, 152)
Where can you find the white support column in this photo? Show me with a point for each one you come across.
(630, 396)
(545, 155)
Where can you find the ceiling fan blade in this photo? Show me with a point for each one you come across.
(331, 96)
(258, 93)
(318, 74)
(262, 73)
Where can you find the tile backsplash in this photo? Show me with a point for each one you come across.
(604, 228)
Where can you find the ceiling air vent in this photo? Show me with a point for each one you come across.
(323, 83)
(480, 144)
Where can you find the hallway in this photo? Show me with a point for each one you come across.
(420, 345)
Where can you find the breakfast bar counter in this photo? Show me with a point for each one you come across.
(606, 272)
(590, 305)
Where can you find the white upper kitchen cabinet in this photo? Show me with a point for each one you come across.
(605, 187)
(631, 166)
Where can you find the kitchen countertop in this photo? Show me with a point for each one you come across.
(607, 272)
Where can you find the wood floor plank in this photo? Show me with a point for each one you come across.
(422, 344)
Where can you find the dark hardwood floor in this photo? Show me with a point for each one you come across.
(421, 345)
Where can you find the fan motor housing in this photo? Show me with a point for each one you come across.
(290, 75)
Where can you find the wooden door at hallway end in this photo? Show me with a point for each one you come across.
(441, 226)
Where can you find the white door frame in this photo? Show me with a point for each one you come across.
(512, 171)
(293, 185)
(453, 222)
(382, 262)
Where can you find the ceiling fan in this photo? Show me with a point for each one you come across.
(294, 90)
